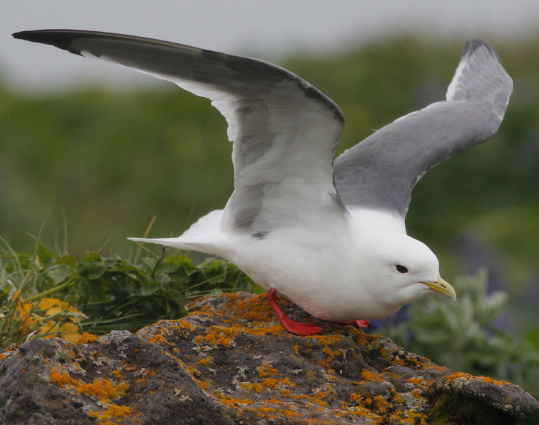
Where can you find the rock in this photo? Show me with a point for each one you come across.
(230, 362)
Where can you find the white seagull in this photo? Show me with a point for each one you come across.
(328, 234)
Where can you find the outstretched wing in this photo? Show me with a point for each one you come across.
(284, 130)
(381, 171)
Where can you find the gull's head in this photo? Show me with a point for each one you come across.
(405, 269)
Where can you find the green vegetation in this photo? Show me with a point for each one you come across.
(98, 294)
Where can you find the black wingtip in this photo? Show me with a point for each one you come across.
(58, 38)
(474, 44)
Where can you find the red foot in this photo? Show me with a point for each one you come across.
(297, 328)
(358, 323)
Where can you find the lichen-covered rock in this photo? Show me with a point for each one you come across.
(230, 362)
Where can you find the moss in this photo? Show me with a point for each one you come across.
(454, 409)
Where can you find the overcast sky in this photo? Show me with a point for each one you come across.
(264, 29)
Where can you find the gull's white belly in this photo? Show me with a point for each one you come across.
(326, 281)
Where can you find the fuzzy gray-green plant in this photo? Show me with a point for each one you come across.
(466, 335)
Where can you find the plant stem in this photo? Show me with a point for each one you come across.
(50, 291)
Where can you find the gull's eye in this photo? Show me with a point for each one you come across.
(401, 269)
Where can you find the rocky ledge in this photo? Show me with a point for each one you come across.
(230, 362)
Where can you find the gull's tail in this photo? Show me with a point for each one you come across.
(204, 236)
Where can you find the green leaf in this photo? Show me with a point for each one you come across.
(92, 271)
(59, 273)
(91, 257)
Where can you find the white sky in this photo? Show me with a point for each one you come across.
(265, 29)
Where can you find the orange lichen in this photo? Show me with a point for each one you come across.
(264, 329)
(248, 386)
(362, 338)
(103, 389)
(467, 376)
(146, 374)
(380, 405)
(158, 339)
(326, 342)
(194, 373)
(179, 327)
(112, 414)
(219, 335)
(271, 383)
(407, 417)
(421, 383)
(202, 384)
(61, 379)
(399, 357)
(356, 398)
(266, 369)
(128, 367)
(205, 361)
(230, 401)
(368, 376)
(183, 325)
(86, 337)
(286, 383)
(317, 399)
(252, 309)
(358, 411)
(385, 410)
(264, 410)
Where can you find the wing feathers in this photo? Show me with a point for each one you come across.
(381, 171)
(281, 125)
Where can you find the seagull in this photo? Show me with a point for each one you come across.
(328, 234)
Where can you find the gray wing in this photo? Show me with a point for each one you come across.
(284, 130)
(381, 171)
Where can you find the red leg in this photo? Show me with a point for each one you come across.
(358, 323)
(297, 328)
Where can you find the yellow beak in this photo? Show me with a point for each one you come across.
(442, 287)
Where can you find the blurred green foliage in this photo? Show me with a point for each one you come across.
(112, 160)
(466, 335)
